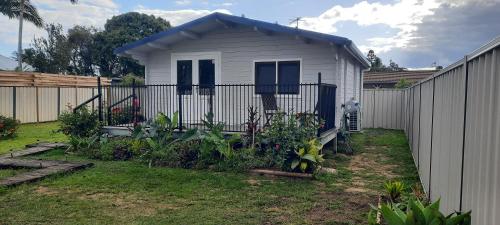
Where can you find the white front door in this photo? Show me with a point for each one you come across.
(196, 74)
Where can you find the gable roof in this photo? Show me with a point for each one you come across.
(217, 19)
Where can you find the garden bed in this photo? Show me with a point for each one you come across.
(122, 192)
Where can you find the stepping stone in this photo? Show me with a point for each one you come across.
(33, 149)
(43, 168)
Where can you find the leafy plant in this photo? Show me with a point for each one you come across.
(159, 136)
(213, 143)
(308, 157)
(286, 135)
(127, 114)
(8, 127)
(82, 123)
(394, 189)
(418, 214)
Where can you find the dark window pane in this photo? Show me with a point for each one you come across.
(288, 77)
(207, 76)
(265, 77)
(184, 77)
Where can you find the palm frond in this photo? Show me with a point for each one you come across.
(12, 9)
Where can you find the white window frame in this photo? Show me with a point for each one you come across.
(276, 61)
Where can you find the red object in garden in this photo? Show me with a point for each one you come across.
(277, 147)
(136, 102)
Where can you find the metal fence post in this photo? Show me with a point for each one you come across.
(58, 101)
(432, 136)
(320, 112)
(179, 94)
(14, 103)
(99, 93)
(466, 78)
(134, 104)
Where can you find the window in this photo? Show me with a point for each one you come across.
(285, 75)
(288, 77)
(265, 77)
(206, 76)
(184, 77)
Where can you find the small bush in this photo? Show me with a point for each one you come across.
(8, 127)
(82, 123)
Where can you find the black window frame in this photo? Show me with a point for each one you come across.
(277, 88)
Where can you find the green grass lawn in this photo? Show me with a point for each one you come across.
(130, 193)
(32, 133)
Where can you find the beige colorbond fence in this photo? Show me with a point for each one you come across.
(452, 121)
(383, 108)
(41, 104)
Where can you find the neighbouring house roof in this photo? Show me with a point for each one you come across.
(215, 20)
(7, 63)
(412, 76)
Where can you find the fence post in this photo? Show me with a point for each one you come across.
(58, 101)
(99, 93)
(466, 78)
(319, 103)
(37, 104)
(432, 136)
(134, 104)
(14, 103)
(179, 94)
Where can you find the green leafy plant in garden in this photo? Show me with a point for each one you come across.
(82, 123)
(307, 158)
(8, 127)
(214, 145)
(159, 136)
(286, 135)
(394, 190)
(418, 214)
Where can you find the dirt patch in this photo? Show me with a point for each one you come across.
(129, 203)
(366, 162)
(340, 208)
(46, 191)
(253, 182)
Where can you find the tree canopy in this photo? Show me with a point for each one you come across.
(86, 50)
(377, 65)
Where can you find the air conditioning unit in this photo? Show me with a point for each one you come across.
(353, 111)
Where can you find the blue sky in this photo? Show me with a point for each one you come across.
(413, 33)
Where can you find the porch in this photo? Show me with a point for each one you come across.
(122, 107)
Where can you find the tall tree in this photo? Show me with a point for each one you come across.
(22, 9)
(81, 45)
(51, 54)
(118, 31)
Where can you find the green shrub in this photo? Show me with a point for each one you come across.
(418, 214)
(285, 136)
(8, 127)
(214, 146)
(82, 123)
(394, 190)
(307, 158)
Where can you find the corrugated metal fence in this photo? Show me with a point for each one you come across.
(383, 108)
(41, 104)
(452, 122)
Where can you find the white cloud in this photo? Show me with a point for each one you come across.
(403, 15)
(86, 12)
(177, 17)
(227, 4)
(183, 2)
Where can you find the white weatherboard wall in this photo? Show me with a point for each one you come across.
(452, 121)
(240, 47)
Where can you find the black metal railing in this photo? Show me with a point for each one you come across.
(229, 103)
